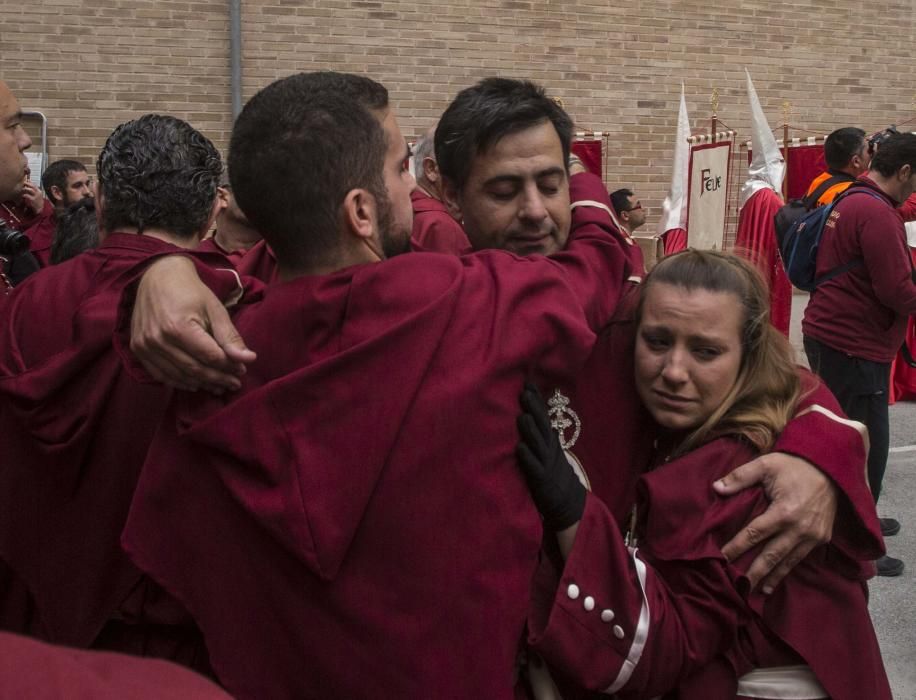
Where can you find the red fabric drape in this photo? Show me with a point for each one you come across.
(590, 154)
(805, 164)
(756, 240)
(675, 240)
(903, 377)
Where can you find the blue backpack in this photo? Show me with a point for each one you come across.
(798, 240)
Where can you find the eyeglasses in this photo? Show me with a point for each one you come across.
(636, 206)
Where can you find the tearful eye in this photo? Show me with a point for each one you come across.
(654, 342)
(707, 353)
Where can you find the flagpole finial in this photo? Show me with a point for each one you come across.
(714, 101)
(559, 102)
(786, 109)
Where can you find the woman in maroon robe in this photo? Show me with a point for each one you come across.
(660, 612)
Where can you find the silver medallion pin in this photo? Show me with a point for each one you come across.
(562, 418)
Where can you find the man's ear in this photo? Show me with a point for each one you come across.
(905, 173)
(56, 194)
(222, 198)
(359, 213)
(219, 203)
(430, 170)
(450, 197)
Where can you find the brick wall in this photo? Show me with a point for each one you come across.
(617, 67)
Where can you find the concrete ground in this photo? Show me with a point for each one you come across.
(893, 600)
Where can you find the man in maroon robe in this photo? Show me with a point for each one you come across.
(75, 427)
(13, 168)
(434, 227)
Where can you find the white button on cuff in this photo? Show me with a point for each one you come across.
(618, 631)
(588, 603)
(572, 591)
(607, 615)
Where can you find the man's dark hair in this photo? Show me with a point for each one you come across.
(895, 152)
(842, 145)
(55, 175)
(481, 115)
(620, 200)
(77, 231)
(158, 172)
(298, 147)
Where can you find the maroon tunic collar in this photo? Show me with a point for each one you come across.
(138, 242)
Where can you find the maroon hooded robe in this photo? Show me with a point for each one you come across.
(352, 523)
(75, 432)
(434, 229)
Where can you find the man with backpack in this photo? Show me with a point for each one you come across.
(856, 321)
(848, 155)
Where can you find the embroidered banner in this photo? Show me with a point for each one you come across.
(707, 199)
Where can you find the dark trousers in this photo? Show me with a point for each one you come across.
(861, 388)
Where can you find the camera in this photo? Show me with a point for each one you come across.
(875, 140)
(12, 242)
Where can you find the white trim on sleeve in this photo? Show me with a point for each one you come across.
(640, 636)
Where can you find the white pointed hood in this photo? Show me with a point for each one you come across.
(767, 169)
(674, 208)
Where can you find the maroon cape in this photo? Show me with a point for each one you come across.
(75, 431)
(352, 522)
(756, 240)
(673, 614)
(434, 229)
(38, 227)
(38, 671)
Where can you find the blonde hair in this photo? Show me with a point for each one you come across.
(767, 388)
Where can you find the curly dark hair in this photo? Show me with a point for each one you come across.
(158, 172)
(297, 148)
(481, 115)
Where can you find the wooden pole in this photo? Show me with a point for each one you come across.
(785, 148)
(715, 119)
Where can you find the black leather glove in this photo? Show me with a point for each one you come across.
(555, 488)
